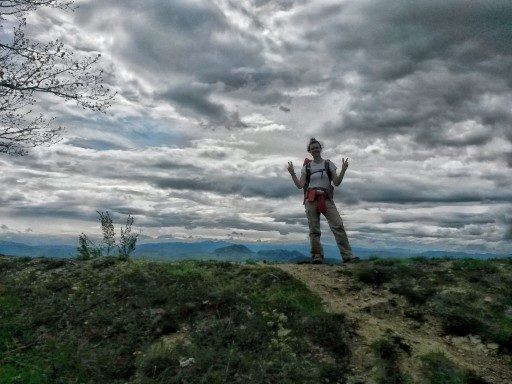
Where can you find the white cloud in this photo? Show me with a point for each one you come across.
(197, 143)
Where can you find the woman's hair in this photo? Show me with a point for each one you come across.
(312, 141)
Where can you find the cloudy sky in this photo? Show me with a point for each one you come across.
(216, 96)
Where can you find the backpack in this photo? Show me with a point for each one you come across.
(327, 169)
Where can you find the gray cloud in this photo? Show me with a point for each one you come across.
(216, 97)
(457, 220)
(97, 144)
(508, 233)
(243, 186)
(195, 97)
(422, 67)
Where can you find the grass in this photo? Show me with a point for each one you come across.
(112, 321)
(467, 296)
(388, 350)
(105, 320)
(438, 369)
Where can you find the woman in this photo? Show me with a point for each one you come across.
(317, 178)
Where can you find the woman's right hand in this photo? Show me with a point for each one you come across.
(290, 168)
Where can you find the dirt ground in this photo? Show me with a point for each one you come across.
(375, 312)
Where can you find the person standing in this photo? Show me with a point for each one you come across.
(317, 179)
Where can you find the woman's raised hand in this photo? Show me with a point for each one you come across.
(290, 168)
(344, 164)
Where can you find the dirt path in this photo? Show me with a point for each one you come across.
(377, 312)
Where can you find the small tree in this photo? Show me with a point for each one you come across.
(125, 245)
(109, 235)
(86, 248)
(128, 239)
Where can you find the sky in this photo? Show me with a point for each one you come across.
(214, 97)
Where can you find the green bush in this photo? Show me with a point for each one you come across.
(483, 266)
(125, 244)
(459, 313)
(387, 350)
(438, 369)
(374, 275)
(415, 293)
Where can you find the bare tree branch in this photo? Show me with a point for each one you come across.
(29, 69)
(17, 7)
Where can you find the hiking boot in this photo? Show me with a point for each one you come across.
(317, 259)
(354, 259)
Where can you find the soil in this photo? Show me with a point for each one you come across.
(375, 312)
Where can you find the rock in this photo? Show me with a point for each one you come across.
(458, 341)
(282, 332)
(156, 311)
(493, 346)
(475, 339)
(185, 362)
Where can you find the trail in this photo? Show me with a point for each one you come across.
(374, 312)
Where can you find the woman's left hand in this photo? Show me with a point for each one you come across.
(344, 164)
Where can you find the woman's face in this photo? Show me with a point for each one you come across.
(315, 149)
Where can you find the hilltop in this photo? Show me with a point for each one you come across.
(137, 321)
(453, 316)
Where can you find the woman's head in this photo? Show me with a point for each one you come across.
(314, 144)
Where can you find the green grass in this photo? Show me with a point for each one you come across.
(111, 321)
(438, 369)
(388, 350)
(467, 296)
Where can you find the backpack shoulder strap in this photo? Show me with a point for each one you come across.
(307, 163)
(328, 169)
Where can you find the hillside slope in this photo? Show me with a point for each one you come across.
(461, 310)
(381, 321)
(109, 321)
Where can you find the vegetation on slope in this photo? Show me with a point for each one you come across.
(132, 321)
(467, 296)
(112, 321)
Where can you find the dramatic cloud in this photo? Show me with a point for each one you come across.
(216, 96)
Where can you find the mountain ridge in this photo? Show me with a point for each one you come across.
(169, 250)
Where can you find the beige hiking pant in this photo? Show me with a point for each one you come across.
(335, 223)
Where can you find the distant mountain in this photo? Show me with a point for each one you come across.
(291, 252)
(241, 252)
(460, 255)
(232, 250)
(282, 255)
(19, 249)
(177, 249)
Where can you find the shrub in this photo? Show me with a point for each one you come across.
(388, 350)
(375, 275)
(87, 249)
(414, 293)
(483, 266)
(459, 313)
(438, 369)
